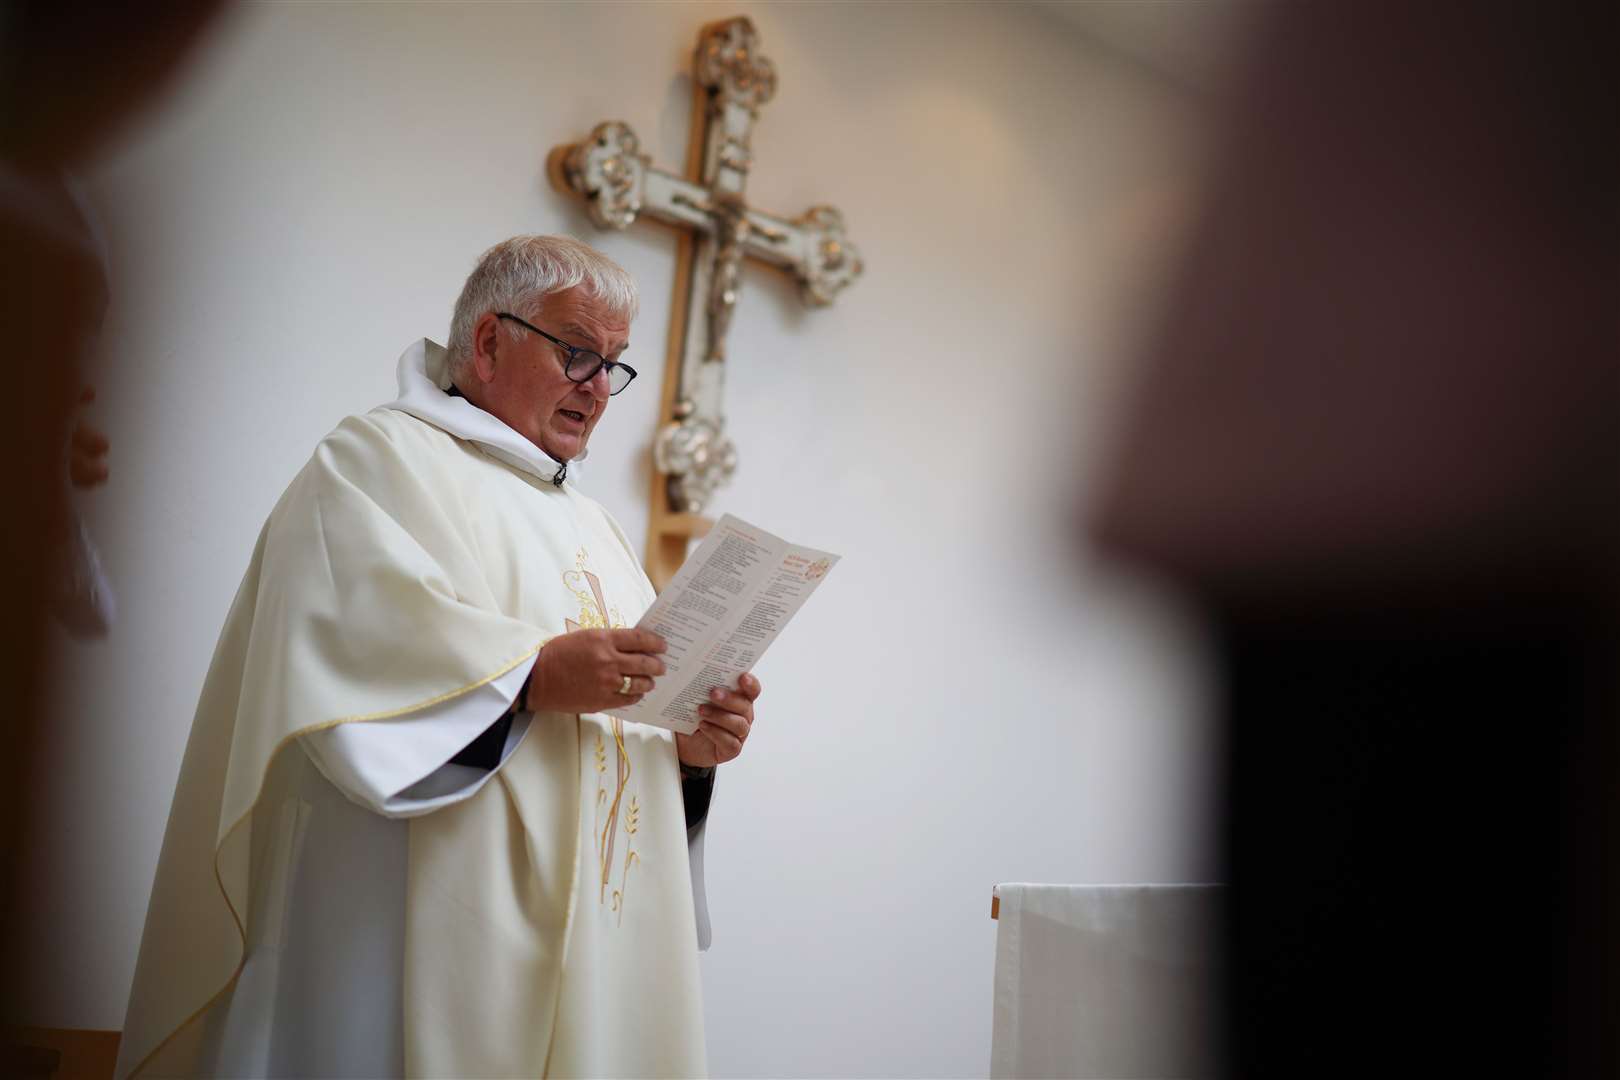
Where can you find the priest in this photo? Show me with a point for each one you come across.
(408, 839)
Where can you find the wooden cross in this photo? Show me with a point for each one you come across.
(717, 229)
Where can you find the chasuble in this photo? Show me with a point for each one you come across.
(336, 895)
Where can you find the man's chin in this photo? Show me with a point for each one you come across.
(563, 449)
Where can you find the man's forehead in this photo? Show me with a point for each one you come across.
(577, 311)
(578, 303)
(584, 310)
(589, 326)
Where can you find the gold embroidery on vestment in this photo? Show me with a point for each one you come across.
(632, 822)
(594, 614)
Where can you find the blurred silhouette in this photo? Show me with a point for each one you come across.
(83, 600)
(72, 74)
(1377, 443)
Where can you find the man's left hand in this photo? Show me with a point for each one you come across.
(723, 725)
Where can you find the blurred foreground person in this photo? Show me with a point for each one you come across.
(1377, 444)
(403, 805)
(84, 603)
(72, 74)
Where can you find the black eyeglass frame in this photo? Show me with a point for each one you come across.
(574, 353)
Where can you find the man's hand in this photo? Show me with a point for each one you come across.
(584, 671)
(723, 725)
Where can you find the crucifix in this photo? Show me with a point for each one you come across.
(692, 455)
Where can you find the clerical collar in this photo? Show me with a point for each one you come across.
(426, 392)
(562, 472)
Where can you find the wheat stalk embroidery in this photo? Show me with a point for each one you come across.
(601, 792)
(632, 822)
(593, 612)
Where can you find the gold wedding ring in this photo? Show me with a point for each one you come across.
(624, 687)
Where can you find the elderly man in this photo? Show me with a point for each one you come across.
(407, 838)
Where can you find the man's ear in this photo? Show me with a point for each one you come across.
(487, 345)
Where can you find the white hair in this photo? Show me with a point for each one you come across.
(517, 275)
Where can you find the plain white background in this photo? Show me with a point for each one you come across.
(968, 700)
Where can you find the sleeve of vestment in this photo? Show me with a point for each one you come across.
(375, 616)
(404, 770)
(698, 792)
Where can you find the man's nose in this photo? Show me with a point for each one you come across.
(598, 384)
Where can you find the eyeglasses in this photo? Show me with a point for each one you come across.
(583, 364)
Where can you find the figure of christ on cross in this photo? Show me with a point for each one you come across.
(717, 229)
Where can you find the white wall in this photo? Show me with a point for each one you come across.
(963, 703)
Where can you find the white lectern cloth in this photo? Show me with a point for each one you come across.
(1099, 981)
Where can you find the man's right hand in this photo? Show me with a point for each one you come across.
(584, 671)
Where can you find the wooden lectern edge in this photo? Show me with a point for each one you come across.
(995, 906)
(63, 1053)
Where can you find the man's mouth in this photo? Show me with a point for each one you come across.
(577, 417)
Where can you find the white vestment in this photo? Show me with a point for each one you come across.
(334, 897)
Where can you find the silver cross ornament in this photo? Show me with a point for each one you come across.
(619, 183)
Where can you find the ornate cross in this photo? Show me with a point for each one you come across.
(692, 454)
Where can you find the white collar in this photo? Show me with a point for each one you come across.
(424, 374)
